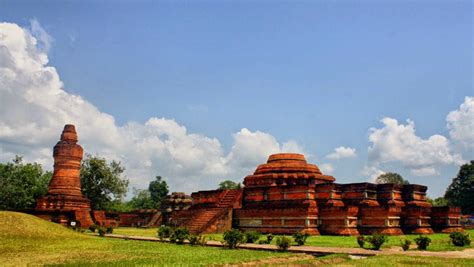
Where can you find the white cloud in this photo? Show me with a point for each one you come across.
(45, 40)
(425, 171)
(461, 123)
(342, 152)
(399, 143)
(253, 148)
(34, 108)
(372, 172)
(326, 168)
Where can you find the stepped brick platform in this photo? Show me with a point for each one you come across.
(416, 214)
(335, 218)
(64, 201)
(177, 201)
(280, 197)
(288, 195)
(211, 211)
(446, 219)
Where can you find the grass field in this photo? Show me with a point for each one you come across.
(440, 242)
(382, 261)
(27, 240)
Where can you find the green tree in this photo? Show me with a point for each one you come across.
(102, 182)
(21, 184)
(438, 202)
(391, 178)
(119, 205)
(461, 190)
(158, 190)
(228, 184)
(142, 200)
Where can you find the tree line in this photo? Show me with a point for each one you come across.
(105, 184)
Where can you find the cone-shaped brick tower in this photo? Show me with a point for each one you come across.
(64, 201)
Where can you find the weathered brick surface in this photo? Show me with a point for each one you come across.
(64, 201)
(286, 195)
(211, 211)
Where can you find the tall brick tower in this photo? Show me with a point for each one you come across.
(64, 201)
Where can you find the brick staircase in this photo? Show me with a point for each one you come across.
(155, 220)
(202, 218)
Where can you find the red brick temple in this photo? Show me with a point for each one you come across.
(288, 195)
(64, 202)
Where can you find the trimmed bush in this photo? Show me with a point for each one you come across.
(109, 230)
(179, 235)
(377, 240)
(460, 239)
(269, 238)
(252, 236)
(164, 232)
(422, 242)
(93, 227)
(102, 231)
(197, 240)
(283, 243)
(300, 238)
(232, 238)
(405, 244)
(361, 241)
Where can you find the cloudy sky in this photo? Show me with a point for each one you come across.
(199, 92)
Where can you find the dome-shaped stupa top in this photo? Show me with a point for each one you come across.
(286, 166)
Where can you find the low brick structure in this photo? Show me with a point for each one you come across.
(211, 211)
(288, 195)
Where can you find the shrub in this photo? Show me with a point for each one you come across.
(405, 244)
(422, 242)
(252, 236)
(269, 238)
(377, 240)
(460, 239)
(93, 227)
(164, 232)
(109, 230)
(197, 240)
(283, 243)
(361, 241)
(232, 238)
(300, 238)
(179, 235)
(266, 241)
(102, 231)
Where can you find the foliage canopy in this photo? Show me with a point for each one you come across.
(102, 181)
(391, 178)
(21, 184)
(461, 190)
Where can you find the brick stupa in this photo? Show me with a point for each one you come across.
(280, 198)
(64, 201)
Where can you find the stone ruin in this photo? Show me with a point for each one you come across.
(288, 195)
(64, 202)
(283, 196)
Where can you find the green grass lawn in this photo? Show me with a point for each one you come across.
(439, 242)
(27, 240)
(407, 261)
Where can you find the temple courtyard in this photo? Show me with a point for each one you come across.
(28, 240)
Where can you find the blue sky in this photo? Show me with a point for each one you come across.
(321, 73)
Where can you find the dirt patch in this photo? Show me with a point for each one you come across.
(300, 260)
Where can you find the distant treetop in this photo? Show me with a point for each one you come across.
(391, 178)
